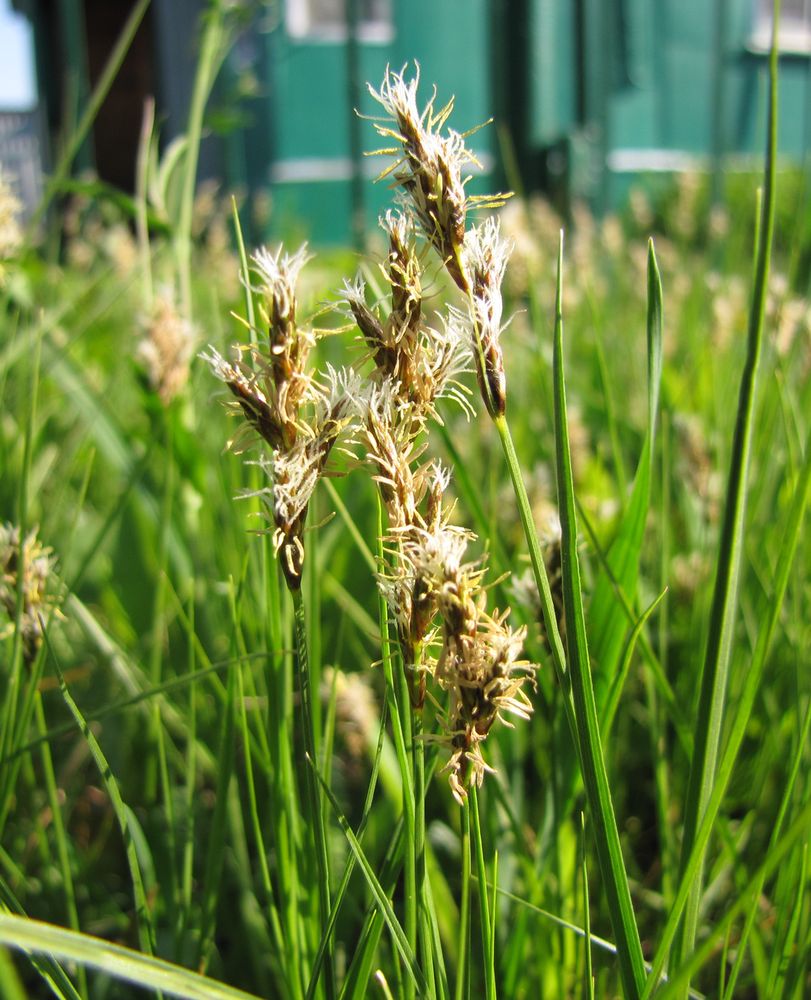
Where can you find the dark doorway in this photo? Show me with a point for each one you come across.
(117, 128)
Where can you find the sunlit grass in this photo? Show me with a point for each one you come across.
(172, 808)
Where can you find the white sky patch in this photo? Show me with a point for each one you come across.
(18, 89)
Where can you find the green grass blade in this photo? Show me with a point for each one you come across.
(488, 955)
(463, 961)
(746, 703)
(606, 624)
(244, 272)
(677, 715)
(11, 987)
(400, 711)
(751, 915)
(360, 969)
(144, 971)
(588, 964)
(617, 684)
(217, 834)
(712, 695)
(60, 833)
(212, 50)
(381, 898)
(781, 957)
(470, 491)
(46, 965)
(609, 853)
(146, 930)
(538, 571)
(349, 867)
(12, 715)
(317, 820)
(351, 526)
(746, 898)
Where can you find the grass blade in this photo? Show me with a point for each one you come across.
(145, 971)
(746, 703)
(146, 930)
(714, 673)
(488, 955)
(606, 624)
(681, 977)
(97, 98)
(609, 854)
(381, 898)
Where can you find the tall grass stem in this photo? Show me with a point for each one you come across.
(712, 697)
(595, 778)
(317, 821)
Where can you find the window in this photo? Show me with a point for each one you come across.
(327, 20)
(795, 26)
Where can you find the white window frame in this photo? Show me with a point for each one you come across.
(794, 35)
(300, 27)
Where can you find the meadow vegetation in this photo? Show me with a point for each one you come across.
(475, 666)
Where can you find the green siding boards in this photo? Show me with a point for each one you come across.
(651, 80)
(309, 109)
(625, 86)
(594, 92)
(552, 88)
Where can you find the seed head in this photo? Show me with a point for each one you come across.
(38, 565)
(403, 271)
(11, 234)
(485, 259)
(429, 166)
(166, 348)
(298, 414)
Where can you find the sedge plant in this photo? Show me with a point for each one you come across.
(438, 672)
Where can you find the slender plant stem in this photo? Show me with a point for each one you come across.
(588, 989)
(488, 957)
(462, 966)
(60, 834)
(141, 207)
(14, 689)
(745, 705)
(424, 938)
(747, 898)
(592, 762)
(712, 697)
(284, 784)
(538, 569)
(187, 858)
(212, 50)
(774, 840)
(317, 819)
(410, 877)
(145, 925)
(400, 711)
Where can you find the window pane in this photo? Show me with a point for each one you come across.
(327, 13)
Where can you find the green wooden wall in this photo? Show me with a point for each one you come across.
(310, 109)
(588, 94)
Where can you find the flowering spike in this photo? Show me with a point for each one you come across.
(300, 416)
(486, 255)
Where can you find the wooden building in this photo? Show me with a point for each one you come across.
(588, 94)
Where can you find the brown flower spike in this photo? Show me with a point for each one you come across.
(297, 415)
(429, 171)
